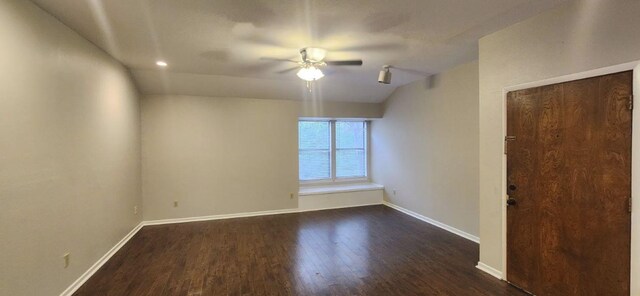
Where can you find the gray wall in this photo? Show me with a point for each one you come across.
(340, 109)
(425, 148)
(70, 160)
(225, 155)
(575, 37)
(218, 155)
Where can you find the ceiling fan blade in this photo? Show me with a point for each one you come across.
(279, 60)
(288, 70)
(344, 63)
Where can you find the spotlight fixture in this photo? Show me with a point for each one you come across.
(161, 63)
(385, 75)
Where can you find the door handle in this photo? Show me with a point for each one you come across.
(511, 201)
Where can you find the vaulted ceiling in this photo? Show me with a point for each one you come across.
(214, 47)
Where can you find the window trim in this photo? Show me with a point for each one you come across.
(332, 155)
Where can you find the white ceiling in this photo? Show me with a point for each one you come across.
(214, 47)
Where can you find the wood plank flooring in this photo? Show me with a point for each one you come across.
(372, 250)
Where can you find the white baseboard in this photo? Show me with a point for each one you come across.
(490, 270)
(434, 222)
(87, 274)
(219, 217)
(339, 207)
(250, 214)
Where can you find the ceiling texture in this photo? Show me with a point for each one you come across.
(214, 47)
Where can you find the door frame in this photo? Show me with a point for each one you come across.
(635, 159)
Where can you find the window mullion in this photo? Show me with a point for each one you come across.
(333, 150)
(367, 141)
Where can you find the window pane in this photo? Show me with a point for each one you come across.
(314, 144)
(350, 149)
(350, 163)
(314, 165)
(314, 135)
(350, 134)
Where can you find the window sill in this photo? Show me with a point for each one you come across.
(334, 188)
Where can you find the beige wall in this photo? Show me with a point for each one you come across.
(225, 155)
(69, 152)
(576, 37)
(426, 148)
(218, 155)
(341, 109)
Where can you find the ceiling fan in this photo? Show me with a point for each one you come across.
(312, 59)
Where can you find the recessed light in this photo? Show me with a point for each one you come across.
(161, 63)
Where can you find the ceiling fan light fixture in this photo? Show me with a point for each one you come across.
(310, 73)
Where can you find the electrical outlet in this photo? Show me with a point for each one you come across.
(175, 203)
(135, 210)
(66, 259)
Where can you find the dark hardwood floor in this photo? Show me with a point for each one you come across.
(371, 250)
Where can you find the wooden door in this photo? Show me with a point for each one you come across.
(569, 175)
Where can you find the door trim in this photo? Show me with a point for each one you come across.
(635, 161)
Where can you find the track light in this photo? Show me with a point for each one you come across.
(385, 75)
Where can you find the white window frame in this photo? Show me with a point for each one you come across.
(332, 155)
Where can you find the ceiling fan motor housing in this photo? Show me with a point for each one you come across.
(313, 54)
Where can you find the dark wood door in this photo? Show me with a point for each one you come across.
(569, 174)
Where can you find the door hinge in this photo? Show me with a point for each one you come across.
(630, 102)
(506, 140)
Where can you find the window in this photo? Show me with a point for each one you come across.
(314, 144)
(332, 150)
